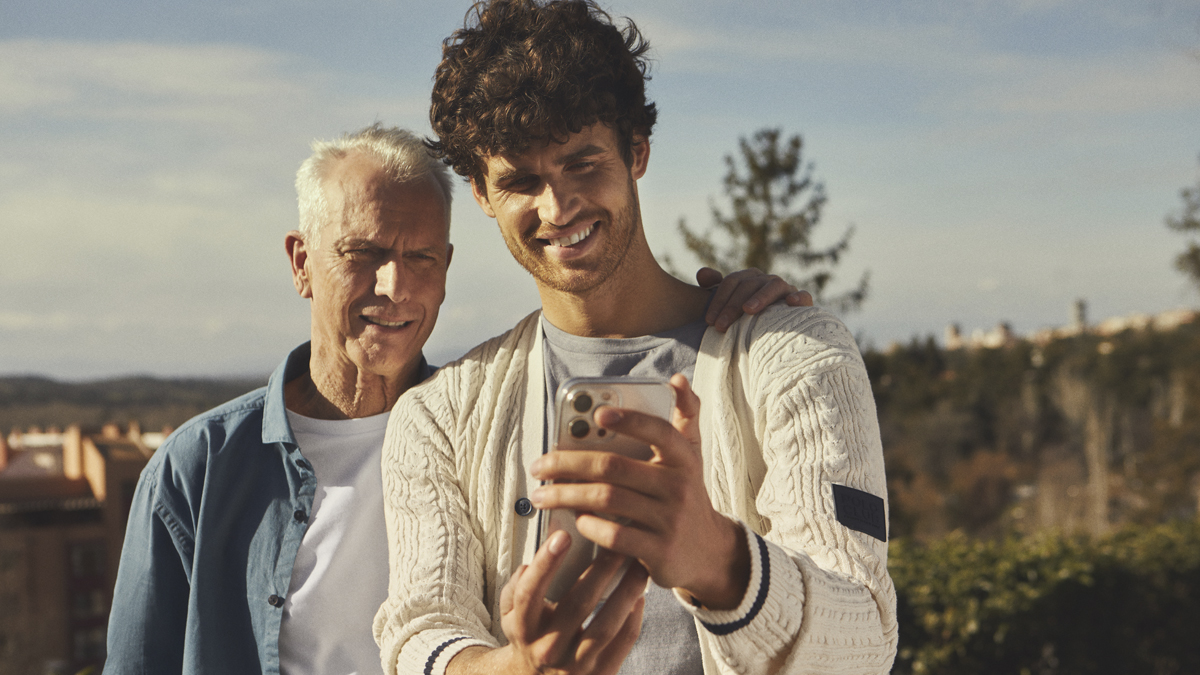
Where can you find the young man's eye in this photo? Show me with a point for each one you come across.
(522, 183)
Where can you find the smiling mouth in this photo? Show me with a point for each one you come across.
(572, 239)
(386, 324)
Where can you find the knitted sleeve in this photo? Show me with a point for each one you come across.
(435, 605)
(820, 599)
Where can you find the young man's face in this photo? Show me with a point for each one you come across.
(377, 273)
(568, 211)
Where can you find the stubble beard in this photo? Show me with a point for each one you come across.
(618, 231)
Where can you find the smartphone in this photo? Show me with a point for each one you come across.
(574, 429)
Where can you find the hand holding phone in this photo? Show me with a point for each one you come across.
(575, 429)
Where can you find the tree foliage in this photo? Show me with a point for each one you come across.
(1188, 222)
(775, 205)
(1125, 603)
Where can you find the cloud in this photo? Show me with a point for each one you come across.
(140, 81)
(1120, 83)
(962, 59)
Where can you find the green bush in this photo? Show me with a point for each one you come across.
(1125, 603)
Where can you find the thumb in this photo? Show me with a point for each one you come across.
(686, 415)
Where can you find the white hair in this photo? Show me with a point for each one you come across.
(402, 154)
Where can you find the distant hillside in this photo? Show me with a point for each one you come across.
(1081, 432)
(153, 402)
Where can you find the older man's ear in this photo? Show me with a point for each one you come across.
(298, 257)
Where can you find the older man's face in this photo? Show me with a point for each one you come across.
(377, 274)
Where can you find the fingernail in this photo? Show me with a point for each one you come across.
(559, 542)
(536, 497)
(752, 305)
(536, 466)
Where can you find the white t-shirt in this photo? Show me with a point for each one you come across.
(341, 573)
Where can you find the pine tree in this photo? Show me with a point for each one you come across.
(1188, 221)
(776, 203)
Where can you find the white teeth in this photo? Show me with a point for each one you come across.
(387, 324)
(573, 239)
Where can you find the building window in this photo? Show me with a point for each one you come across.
(9, 558)
(87, 559)
(89, 645)
(88, 604)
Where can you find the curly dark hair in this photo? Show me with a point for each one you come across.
(522, 72)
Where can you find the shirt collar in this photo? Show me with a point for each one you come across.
(275, 422)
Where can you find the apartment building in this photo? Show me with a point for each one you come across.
(64, 501)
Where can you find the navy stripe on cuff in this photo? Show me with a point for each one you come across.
(438, 652)
(764, 585)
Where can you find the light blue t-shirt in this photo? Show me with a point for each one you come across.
(668, 644)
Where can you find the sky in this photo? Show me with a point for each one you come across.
(997, 159)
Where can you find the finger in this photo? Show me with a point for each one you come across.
(800, 299)
(731, 293)
(707, 277)
(579, 603)
(650, 429)
(639, 504)
(773, 290)
(529, 590)
(641, 539)
(601, 635)
(610, 659)
(565, 468)
(735, 305)
(720, 298)
(506, 593)
(685, 417)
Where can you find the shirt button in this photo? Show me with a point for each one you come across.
(524, 507)
(275, 601)
(300, 516)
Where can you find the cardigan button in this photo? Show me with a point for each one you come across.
(275, 601)
(523, 507)
(300, 516)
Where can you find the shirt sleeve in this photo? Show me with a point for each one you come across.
(820, 598)
(147, 624)
(435, 606)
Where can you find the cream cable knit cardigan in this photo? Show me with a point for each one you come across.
(786, 411)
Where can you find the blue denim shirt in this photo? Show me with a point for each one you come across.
(213, 531)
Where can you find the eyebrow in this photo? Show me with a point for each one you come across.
(352, 240)
(585, 151)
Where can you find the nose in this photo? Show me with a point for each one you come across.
(390, 281)
(557, 205)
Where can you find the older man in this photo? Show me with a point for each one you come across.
(761, 518)
(256, 529)
(256, 537)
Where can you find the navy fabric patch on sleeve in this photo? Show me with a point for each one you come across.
(860, 511)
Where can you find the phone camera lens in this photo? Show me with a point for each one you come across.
(583, 403)
(579, 428)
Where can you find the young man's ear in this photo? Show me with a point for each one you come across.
(639, 148)
(479, 192)
(298, 257)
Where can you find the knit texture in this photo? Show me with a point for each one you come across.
(786, 412)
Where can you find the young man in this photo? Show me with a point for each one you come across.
(761, 518)
(256, 537)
